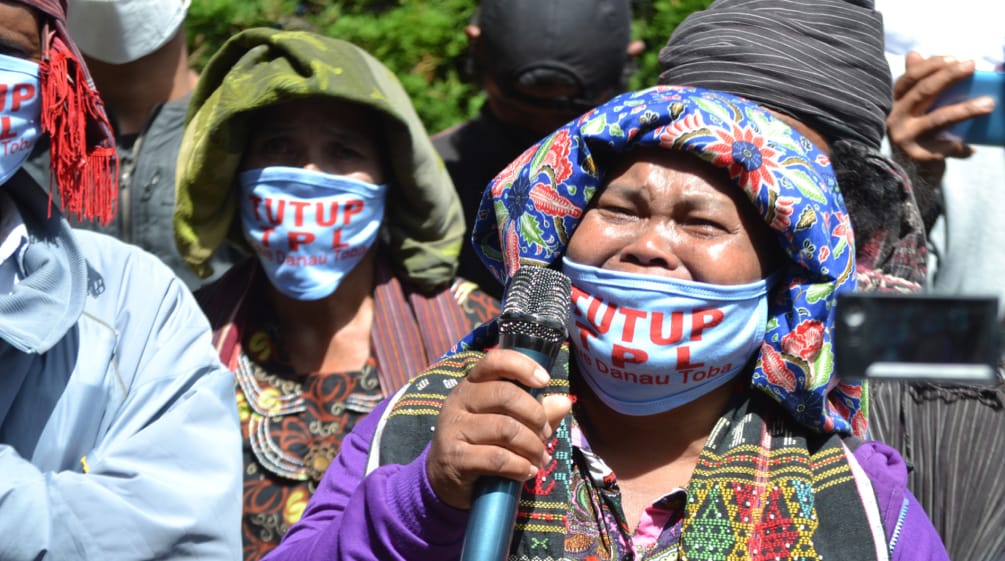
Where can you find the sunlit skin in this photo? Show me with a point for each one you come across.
(914, 125)
(322, 135)
(661, 213)
(669, 214)
(20, 34)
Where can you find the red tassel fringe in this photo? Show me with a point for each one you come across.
(87, 178)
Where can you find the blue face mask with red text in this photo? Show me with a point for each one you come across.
(647, 344)
(20, 108)
(309, 229)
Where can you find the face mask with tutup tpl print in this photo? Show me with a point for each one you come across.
(647, 344)
(308, 228)
(20, 109)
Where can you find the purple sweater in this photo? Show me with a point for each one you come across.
(394, 514)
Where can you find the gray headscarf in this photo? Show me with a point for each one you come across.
(819, 61)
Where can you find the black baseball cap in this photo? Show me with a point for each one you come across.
(576, 46)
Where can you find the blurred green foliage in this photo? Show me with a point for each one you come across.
(422, 41)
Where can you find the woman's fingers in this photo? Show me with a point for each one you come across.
(556, 407)
(922, 137)
(490, 425)
(913, 72)
(504, 364)
(485, 401)
(468, 446)
(497, 445)
(922, 84)
(925, 78)
(914, 128)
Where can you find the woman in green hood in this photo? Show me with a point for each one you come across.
(307, 152)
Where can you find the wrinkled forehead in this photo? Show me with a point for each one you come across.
(619, 163)
(784, 176)
(319, 120)
(333, 112)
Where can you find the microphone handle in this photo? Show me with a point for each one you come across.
(493, 515)
(493, 509)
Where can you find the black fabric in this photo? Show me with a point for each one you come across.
(875, 206)
(411, 425)
(819, 61)
(578, 42)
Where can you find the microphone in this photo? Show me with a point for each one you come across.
(533, 318)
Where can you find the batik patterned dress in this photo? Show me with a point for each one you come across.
(293, 423)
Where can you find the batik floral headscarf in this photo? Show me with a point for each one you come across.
(531, 209)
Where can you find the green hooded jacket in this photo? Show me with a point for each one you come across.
(423, 225)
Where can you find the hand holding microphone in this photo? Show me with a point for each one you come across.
(491, 431)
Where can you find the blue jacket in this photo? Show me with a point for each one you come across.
(119, 436)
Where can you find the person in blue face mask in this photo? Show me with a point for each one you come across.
(693, 412)
(118, 435)
(306, 151)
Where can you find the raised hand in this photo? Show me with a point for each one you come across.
(913, 126)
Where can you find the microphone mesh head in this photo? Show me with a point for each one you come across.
(536, 303)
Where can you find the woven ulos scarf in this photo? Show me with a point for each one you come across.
(764, 488)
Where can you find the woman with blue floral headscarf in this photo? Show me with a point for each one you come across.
(693, 413)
